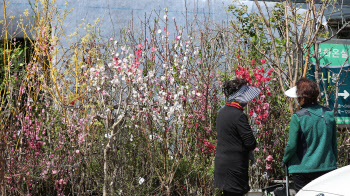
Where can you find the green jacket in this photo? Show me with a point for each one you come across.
(312, 143)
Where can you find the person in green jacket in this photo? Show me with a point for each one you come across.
(311, 150)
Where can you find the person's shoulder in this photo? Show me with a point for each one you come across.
(231, 111)
(302, 112)
(326, 109)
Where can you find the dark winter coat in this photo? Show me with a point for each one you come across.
(235, 140)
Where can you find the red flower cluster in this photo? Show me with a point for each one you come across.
(258, 78)
(208, 147)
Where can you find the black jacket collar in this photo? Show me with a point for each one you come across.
(307, 105)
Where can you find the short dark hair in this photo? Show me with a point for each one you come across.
(233, 86)
(308, 90)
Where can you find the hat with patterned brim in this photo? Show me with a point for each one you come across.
(245, 94)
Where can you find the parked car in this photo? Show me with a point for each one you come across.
(335, 183)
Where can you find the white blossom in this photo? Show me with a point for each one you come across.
(141, 180)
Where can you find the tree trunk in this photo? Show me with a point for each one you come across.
(105, 169)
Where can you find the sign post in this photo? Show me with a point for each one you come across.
(333, 58)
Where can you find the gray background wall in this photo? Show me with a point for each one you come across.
(117, 14)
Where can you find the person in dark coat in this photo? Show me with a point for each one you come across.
(234, 139)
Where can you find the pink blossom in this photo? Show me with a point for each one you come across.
(153, 49)
(269, 158)
(105, 93)
(268, 166)
(140, 45)
(262, 97)
(81, 139)
(266, 106)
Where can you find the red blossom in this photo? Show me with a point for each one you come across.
(257, 84)
(138, 53)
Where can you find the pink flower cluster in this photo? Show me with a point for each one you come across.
(269, 160)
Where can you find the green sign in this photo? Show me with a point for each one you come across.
(333, 55)
(333, 59)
